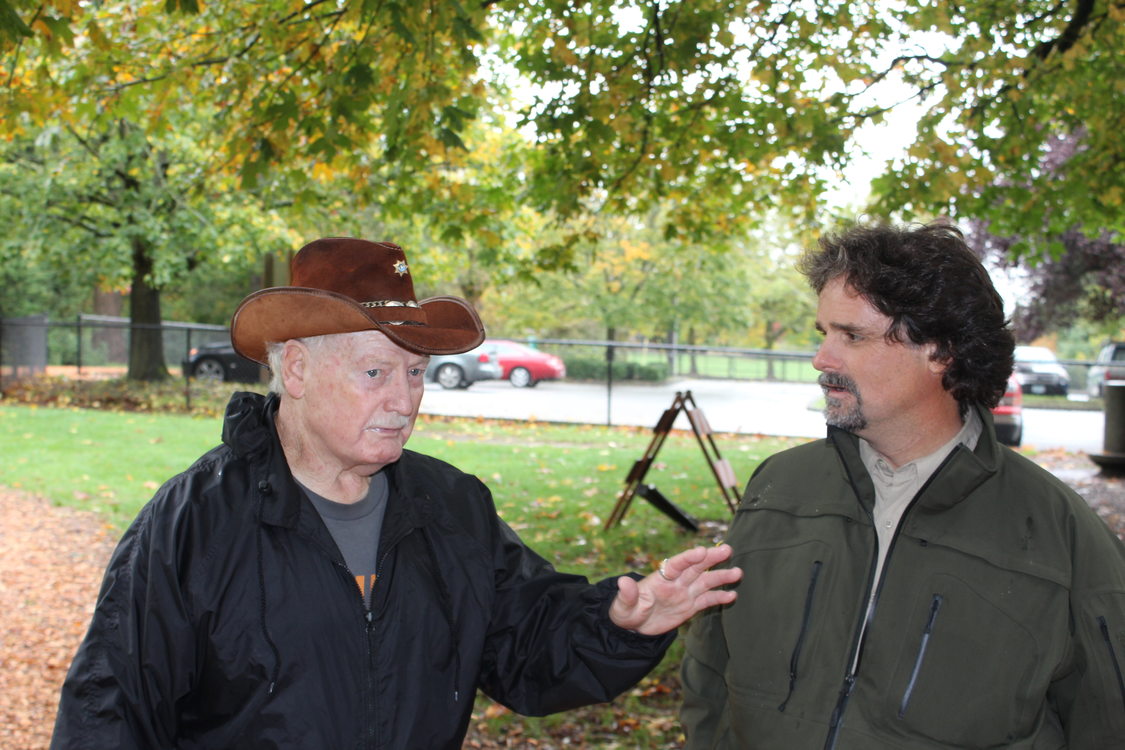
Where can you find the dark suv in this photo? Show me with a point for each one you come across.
(1110, 365)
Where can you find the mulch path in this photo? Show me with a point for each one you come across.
(51, 563)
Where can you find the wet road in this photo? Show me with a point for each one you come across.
(735, 406)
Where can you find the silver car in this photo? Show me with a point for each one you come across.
(1110, 366)
(462, 370)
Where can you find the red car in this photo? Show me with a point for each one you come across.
(1008, 415)
(523, 366)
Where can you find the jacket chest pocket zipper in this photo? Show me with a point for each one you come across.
(1103, 626)
(935, 605)
(806, 616)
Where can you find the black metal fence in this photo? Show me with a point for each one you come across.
(89, 344)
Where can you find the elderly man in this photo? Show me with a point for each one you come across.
(910, 583)
(312, 584)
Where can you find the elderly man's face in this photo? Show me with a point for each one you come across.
(361, 393)
(873, 387)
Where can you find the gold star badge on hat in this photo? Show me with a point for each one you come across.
(401, 268)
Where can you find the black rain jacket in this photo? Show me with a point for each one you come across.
(228, 618)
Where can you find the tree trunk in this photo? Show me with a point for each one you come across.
(146, 341)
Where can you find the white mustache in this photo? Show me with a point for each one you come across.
(397, 424)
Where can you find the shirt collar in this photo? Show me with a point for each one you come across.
(879, 466)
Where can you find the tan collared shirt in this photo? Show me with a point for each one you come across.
(895, 488)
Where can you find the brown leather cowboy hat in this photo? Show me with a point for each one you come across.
(342, 285)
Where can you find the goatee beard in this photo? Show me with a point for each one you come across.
(848, 418)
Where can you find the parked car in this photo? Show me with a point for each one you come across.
(1039, 371)
(523, 366)
(218, 361)
(1008, 414)
(1110, 365)
(462, 370)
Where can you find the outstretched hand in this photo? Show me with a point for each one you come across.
(684, 585)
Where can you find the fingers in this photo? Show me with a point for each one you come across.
(713, 598)
(722, 577)
(668, 597)
(693, 561)
(628, 593)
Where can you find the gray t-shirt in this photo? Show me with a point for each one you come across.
(355, 528)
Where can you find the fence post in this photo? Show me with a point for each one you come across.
(608, 385)
(187, 378)
(78, 347)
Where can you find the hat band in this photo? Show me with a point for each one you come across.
(390, 303)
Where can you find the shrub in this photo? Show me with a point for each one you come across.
(591, 368)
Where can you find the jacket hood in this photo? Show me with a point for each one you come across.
(248, 423)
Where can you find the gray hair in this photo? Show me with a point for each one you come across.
(314, 344)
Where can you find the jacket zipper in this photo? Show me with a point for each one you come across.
(1103, 626)
(369, 630)
(870, 604)
(837, 717)
(369, 719)
(935, 605)
(368, 616)
(795, 658)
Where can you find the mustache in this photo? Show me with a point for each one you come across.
(395, 423)
(836, 380)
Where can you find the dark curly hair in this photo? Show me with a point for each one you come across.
(934, 290)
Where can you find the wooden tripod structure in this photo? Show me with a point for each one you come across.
(720, 467)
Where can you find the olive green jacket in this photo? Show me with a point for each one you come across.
(999, 619)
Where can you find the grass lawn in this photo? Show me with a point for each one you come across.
(555, 484)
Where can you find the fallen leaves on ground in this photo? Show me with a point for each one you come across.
(51, 563)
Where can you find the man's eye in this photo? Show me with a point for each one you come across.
(416, 371)
(374, 373)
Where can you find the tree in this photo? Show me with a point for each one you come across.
(1002, 82)
(1085, 282)
(1071, 276)
(711, 107)
(632, 283)
(711, 112)
(123, 210)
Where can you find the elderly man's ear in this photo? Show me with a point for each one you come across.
(294, 367)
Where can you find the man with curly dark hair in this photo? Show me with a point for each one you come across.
(909, 582)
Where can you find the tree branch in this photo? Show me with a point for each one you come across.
(1082, 13)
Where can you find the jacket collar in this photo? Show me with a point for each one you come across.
(250, 431)
(956, 478)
